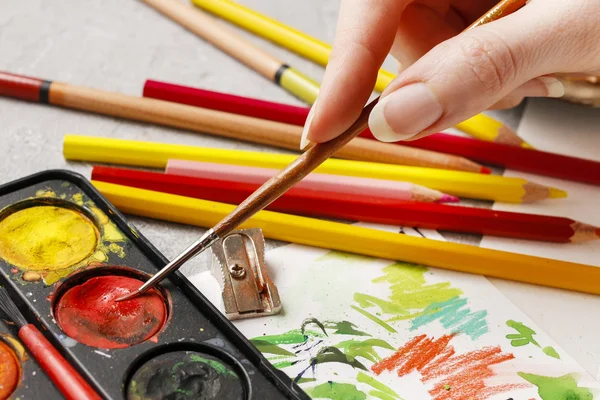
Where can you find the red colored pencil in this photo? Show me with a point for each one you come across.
(513, 157)
(362, 208)
(226, 102)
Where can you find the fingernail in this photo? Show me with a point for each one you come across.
(405, 113)
(304, 139)
(554, 86)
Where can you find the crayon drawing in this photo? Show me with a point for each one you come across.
(355, 327)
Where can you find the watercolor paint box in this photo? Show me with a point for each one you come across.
(64, 250)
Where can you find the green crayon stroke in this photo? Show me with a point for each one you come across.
(411, 298)
(373, 318)
(365, 349)
(549, 351)
(410, 289)
(561, 388)
(336, 391)
(374, 383)
(386, 307)
(270, 348)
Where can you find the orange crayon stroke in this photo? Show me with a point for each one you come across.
(456, 377)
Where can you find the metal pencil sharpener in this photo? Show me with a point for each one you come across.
(239, 267)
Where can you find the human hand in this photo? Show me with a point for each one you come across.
(447, 77)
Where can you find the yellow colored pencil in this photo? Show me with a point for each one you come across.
(489, 129)
(481, 126)
(285, 36)
(370, 242)
(156, 155)
(228, 41)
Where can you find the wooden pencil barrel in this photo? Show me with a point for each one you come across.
(240, 127)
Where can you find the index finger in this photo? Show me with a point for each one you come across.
(364, 36)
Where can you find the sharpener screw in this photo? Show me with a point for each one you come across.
(237, 272)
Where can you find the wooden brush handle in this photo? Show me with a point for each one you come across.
(66, 379)
(292, 174)
(501, 9)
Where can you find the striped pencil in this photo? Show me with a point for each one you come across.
(513, 157)
(362, 207)
(404, 191)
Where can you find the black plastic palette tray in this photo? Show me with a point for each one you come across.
(193, 325)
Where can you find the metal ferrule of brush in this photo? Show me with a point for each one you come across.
(193, 250)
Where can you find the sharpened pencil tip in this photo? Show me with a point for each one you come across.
(485, 170)
(557, 193)
(446, 198)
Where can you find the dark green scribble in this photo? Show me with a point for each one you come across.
(332, 354)
(314, 321)
(344, 328)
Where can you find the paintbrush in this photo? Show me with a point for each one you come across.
(63, 375)
(288, 177)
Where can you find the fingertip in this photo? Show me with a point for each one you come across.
(405, 113)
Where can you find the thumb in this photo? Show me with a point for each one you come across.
(466, 75)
